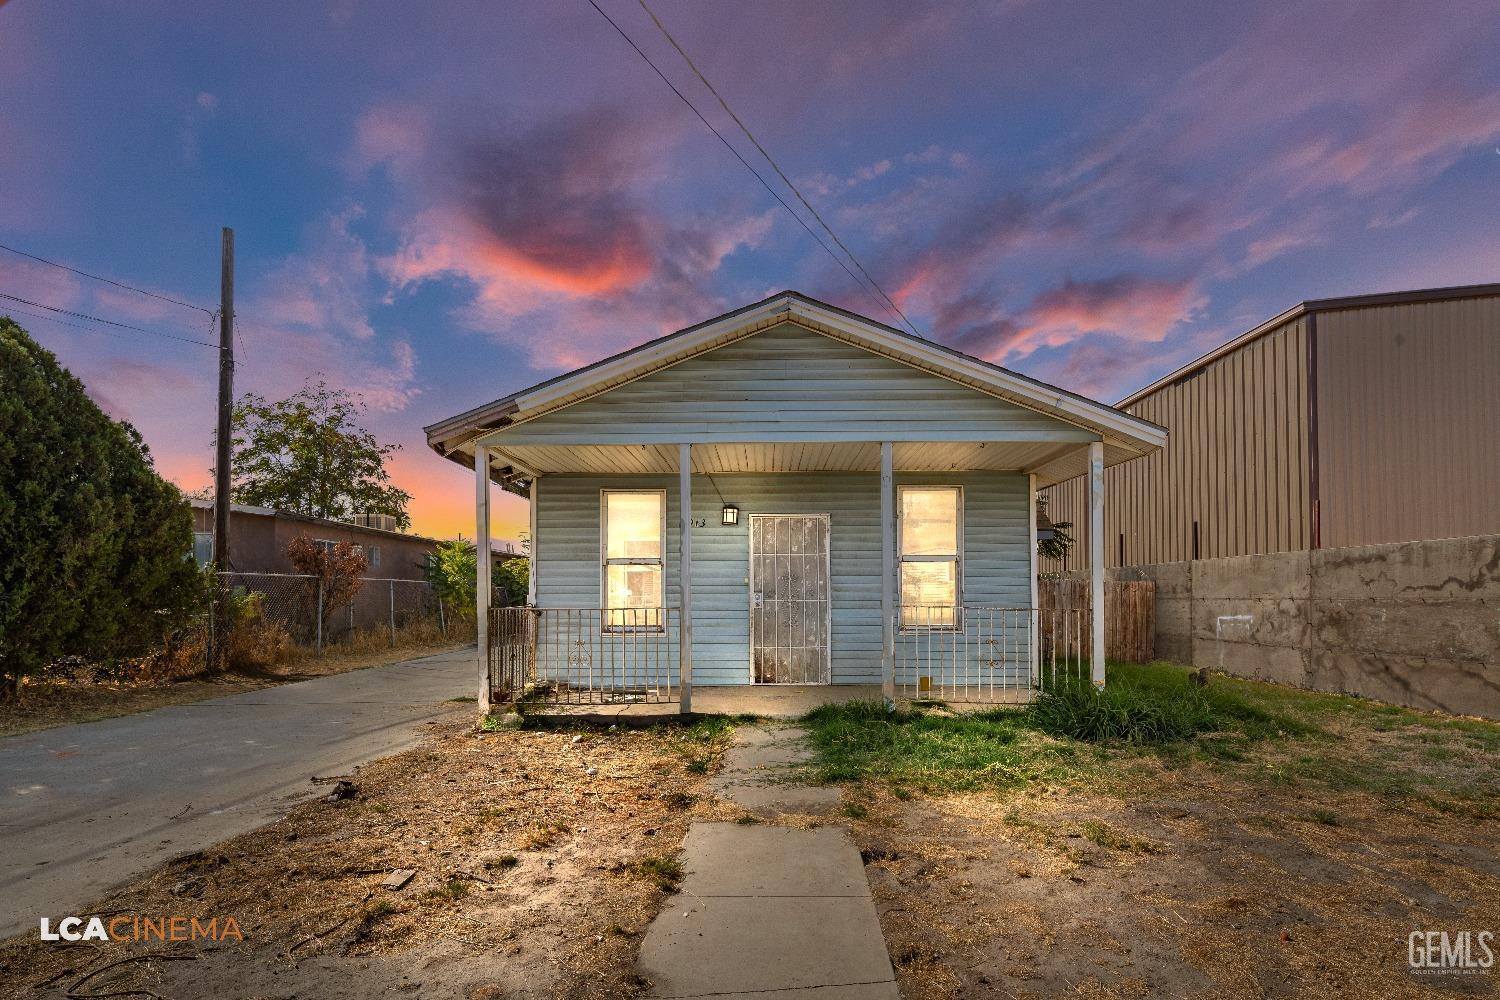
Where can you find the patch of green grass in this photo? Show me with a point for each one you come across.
(379, 908)
(1075, 733)
(451, 891)
(465, 698)
(747, 819)
(1325, 816)
(697, 765)
(855, 810)
(664, 873)
(501, 863)
(1108, 837)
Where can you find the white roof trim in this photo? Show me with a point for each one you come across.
(1125, 429)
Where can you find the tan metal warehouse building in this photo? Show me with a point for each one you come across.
(1341, 422)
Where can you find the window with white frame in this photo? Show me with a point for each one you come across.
(931, 547)
(633, 533)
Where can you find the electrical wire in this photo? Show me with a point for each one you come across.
(107, 322)
(107, 281)
(729, 146)
(889, 303)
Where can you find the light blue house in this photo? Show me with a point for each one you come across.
(860, 510)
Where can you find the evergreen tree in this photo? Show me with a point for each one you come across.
(95, 547)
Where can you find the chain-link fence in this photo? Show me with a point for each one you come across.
(318, 614)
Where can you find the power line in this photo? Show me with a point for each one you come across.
(107, 322)
(107, 281)
(888, 301)
(729, 146)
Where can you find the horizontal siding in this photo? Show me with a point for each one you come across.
(996, 564)
(788, 384)
(1236, 463)
(1408, 417)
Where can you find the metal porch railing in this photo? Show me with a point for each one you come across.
(985, 654)
(584, 656)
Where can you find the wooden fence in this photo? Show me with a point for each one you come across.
(1129, 613)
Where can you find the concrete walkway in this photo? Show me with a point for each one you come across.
(769, 910)
(85, 807)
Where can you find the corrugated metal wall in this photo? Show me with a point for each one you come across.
(1408, 419)
(1236, 464)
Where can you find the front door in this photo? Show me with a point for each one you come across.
(789, 607)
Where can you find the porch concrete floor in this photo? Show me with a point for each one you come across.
(767, 701)
(769, 910)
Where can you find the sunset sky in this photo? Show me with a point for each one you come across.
(438, 204)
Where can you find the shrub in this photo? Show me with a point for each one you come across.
(1122, 714)
(95, 547)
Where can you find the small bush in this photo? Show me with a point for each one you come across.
(1121, 714)
(664, 873)
(1151, 706)
(451, 891)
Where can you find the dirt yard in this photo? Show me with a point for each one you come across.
(1291, 867)
(45, 704)
(1243, 841)
(537, 859)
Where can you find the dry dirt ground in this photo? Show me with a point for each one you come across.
(50, 703)
(1188, 879)
(539, 857)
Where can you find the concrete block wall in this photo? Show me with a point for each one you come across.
(1414, 623)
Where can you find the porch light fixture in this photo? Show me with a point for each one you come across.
(1045, 532)
(729, 515)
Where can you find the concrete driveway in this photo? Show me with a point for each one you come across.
(85, 807)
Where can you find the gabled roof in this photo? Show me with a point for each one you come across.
(452, 437)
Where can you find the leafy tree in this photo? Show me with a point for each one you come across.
(339, 568)
(452, 574)
(1061, 541)
(95, 547)
(511, 580)
(308, 454)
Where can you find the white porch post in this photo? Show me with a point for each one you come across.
(531, 492)
(1033, 646)
(685, 575)
(1096, 557)
(482, 569)
(887, 575)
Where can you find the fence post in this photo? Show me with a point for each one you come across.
(442, 622)
(320, 616)
(392, 585)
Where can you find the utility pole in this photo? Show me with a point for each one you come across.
(222, 449)
(222, 437)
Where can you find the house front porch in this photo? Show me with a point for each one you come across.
(786, 495)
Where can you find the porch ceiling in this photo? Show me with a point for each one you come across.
(1052, 461)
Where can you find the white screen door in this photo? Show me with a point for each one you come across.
(789, 606)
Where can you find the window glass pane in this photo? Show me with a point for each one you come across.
(929, 590)
(203, 547)
(629, 588)
(634, 525)
(929, 522)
